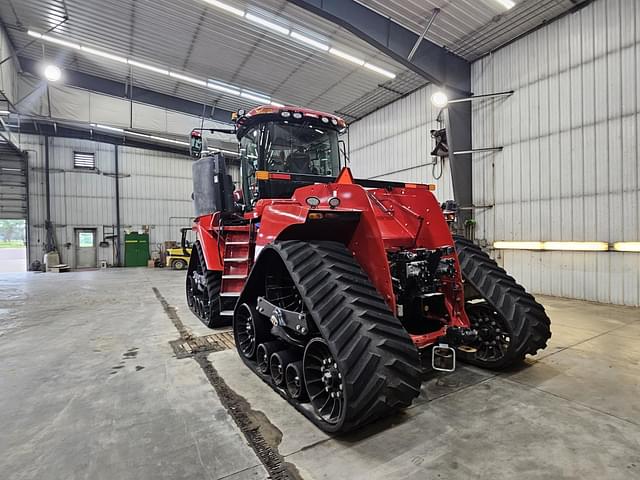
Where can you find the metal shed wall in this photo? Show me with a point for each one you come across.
(394, 143)
(155, 190)
(569, 169)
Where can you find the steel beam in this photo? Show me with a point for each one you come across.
(431, 61)
(142, 95)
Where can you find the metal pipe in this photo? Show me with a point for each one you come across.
(487, 95)
(117, 177)
(434, 14)
(27, 227)
(47, 184)
(478, 150)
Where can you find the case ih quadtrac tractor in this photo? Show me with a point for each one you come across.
(337, 288)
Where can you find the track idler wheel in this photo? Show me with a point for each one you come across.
(294, 378)
(278, 364)
(264, 352)
(323, 381)
(250, 329)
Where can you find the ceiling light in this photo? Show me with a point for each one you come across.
(439, 99)
(626, 246)
(34, 34)
(52, 73)
(518, 245)
(577, 246)
(346, 56)
(310, 41)
(223, 88)
(151, 68)
(4, 112)
(100, 53)
(266, 23)
(255, 96)
(186, 78)
(379, 70)
(225, 7)
(169, 140)
(107, 127)
(508, 4)
(276, 104)
(59, 41)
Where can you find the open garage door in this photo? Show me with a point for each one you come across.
(14, 206)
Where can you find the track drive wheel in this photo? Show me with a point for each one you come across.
(509, 321)
(203, 290)
(294, 378)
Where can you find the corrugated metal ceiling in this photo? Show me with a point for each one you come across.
(205, 42)
(472, 28)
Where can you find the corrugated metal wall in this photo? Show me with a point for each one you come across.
(8, 71)
(569, 169)
(395, 143)
(155, 190)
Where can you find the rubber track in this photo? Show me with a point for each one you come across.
(213, 281)
(374, 352)
(527, 318)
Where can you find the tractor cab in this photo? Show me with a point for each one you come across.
(285, 148)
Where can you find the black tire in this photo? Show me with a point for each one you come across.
(378, 362)
(504, 304)
(204, 302)
(179, 264)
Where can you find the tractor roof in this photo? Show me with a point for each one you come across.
(244, 120)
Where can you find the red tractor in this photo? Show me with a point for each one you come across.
(338, 288)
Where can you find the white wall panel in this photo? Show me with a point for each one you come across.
(8, 71)
(394, 143)
(569, 169)
(155, 190)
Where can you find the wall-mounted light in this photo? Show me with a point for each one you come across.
(439, 99)
(553, 246)
(626, 246)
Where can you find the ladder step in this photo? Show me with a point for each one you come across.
(244, 259)
(230, 294)
(236, 243)
(226, 313)
(233, 277)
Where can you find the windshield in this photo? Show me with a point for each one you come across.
(300, 148)
(288, 148)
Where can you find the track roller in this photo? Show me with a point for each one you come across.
(294, 378)
(278, 363)
(264, 352)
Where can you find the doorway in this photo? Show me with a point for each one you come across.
(13, 249)
(86, 251)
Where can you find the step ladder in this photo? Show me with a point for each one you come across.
(238, 259)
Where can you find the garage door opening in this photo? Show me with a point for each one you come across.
(13, 248)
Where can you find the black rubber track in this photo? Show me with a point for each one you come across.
(375, 355)
(213, 281)
(528, 322)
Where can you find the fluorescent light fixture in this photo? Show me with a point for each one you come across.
(626, 246)
(100, 53)
(577, 246)
(169, 140)
(553, 246)
(225, 7)
(518, 245)
(59, 41)
(4, 112)
(276, 104)
(31, 33)
(508, 4)
(310, 41)
(151, 68)
(346, 56)
(439, 99)
(266, 23)
(186, 78)
(107, 127)
(381, 71)
(223, 88)
(255, 96)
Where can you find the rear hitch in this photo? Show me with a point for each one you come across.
(443, 355)
(443, 358)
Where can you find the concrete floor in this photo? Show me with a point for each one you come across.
(91, 388)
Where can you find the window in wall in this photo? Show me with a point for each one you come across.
(84, 160)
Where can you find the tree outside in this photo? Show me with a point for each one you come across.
(12, 233)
